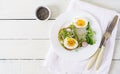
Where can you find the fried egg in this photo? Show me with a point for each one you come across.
(80, 22)
(70, 43)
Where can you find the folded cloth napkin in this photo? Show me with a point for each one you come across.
(58, 65)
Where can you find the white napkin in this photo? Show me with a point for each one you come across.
(58, 65)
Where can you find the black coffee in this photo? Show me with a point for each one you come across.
(42, 13)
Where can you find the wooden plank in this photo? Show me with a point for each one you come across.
(110, 4)
(16, 9)
(115, 68)
(26, 8)
(22, 67)
(23, 49)
(32, 49)
(28, 29)
(24, 29)
(36, 67)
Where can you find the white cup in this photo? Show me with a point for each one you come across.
(37, 12)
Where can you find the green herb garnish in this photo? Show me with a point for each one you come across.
(90, 35)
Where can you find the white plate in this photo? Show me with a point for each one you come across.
(82, 53)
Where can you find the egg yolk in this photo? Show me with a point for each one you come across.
(80, 22)
(71, 42)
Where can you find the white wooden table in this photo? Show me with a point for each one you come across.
(24, 41)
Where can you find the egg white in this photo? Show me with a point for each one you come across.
(75, 22)
(70, 47)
